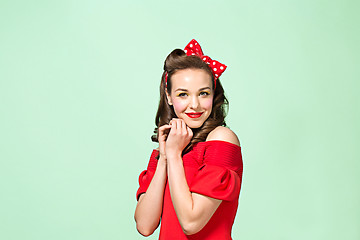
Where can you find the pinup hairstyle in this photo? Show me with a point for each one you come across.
(178, 60)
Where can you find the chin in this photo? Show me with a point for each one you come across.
(194, 124)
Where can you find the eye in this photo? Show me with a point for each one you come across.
(182, 94)
(204, 93)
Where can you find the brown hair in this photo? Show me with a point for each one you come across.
(178, 60)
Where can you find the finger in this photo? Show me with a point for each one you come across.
(163, 128)
(184, 127)
(163, 133)
(172, 120)
(166, 126)
(173, 127)
(190, 132)
(175, 123)
(178, 126)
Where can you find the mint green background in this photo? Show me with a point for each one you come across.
(79, 91)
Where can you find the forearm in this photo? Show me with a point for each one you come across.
(149, 207)
(180, 193)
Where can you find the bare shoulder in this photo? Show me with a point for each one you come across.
(223, 134)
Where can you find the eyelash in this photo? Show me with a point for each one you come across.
(181, 94)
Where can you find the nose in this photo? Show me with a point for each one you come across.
(194, 104)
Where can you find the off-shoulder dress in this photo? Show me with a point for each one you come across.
(212, 168)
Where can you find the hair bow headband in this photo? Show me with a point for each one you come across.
(193, 48)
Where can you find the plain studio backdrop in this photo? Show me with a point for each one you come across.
(79, 88)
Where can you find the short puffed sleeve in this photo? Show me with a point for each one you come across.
(220, 174)
(147, 175)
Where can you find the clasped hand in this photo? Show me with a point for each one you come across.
(173, 138)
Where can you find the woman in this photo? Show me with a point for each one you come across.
(193, 179)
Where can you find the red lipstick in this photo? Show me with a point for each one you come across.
(194, 115)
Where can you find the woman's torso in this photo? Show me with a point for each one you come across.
(219, 226)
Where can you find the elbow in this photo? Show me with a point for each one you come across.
(190, 228)
(145, 226)
(144, 230)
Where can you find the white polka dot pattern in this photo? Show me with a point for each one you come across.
(217, 68)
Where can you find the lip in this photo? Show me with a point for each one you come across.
(194, 115)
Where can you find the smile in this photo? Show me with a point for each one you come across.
(194, 115)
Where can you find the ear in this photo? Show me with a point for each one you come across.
(168, 97)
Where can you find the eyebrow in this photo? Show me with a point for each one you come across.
(183, 89)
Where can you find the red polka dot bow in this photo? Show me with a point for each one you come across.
(193, 48)
(217, 68)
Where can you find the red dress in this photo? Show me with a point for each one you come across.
(212, 168)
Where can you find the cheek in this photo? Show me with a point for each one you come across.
(179, 106)
(207, 104)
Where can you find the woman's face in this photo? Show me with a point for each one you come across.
(191, 96)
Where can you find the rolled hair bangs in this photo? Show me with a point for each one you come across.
(178, 60)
